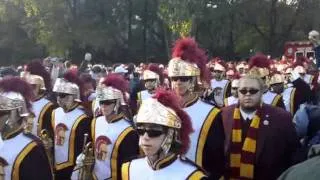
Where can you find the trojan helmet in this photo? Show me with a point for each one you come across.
(70, 84)
(164, 109)
(188, 60)
(259, 65)
(15, 94)
(37, 68)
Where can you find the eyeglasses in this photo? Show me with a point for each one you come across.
(181, 78)
(150, 132)
(107, 102)
(251, 91)
(62, 95)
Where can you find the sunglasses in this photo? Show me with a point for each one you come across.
(181, 78)
(107, 102)
(149, 80)
(250, 91)
(62, 95)
(150, 132)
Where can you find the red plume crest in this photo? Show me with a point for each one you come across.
(187, 49)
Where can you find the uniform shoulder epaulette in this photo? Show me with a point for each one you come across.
(33, 137)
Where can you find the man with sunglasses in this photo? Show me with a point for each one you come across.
(233, 99)
(260, 139)
(188, 72)
(164, 130)
(75, 122)
(260, 65)
(221, 86)
(114, 138)
(152, 78)
(23, 154)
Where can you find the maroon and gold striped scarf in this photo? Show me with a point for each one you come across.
(242, 156)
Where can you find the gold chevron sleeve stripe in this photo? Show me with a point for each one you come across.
(16, 166)
(204, 134)
(115, 152)
(43, 111)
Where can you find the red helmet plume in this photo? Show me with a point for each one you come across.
(260, 61)
(187, 49)
(73, 76)
(156, 69)
(171, 100)
(117, 81)
(36, 68)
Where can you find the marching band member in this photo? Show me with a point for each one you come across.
(259, 64)
(164, 130)
(233, 99)
(42, 105)
(186, 69)
(23, 156)
(70, 123)
(114, 139)
(220, 86)
(293, 96)
(152, 78)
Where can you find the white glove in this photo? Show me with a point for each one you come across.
(80, 160)
(294, 76)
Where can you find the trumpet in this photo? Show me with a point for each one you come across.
(48, 144)
(85, 172)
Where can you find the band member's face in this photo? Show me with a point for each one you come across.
(107, 107)
(150, 84)
(217, 74)
(278, 88)
(151, 138)
(234, 91)
(66, 101)
(181, 85)
(249, 93)
(230, 77)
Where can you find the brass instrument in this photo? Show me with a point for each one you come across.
(85, 172)
(48, 144)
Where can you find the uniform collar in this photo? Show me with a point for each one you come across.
(12, 134)
(115, 118)
(162, 163)
(73, 107)
(191, 101)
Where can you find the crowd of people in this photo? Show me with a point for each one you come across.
(188, 119)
